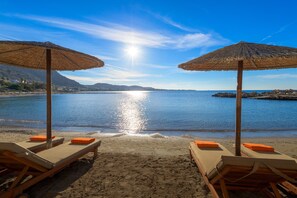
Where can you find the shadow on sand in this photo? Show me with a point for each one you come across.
(52, 186)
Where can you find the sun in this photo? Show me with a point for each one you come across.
(132, 51)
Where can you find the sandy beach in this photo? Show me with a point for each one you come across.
(134, 166)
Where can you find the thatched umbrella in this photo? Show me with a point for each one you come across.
(244, 56)
(47, 56)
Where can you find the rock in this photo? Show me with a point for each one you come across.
(277, 94)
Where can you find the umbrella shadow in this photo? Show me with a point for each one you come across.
(53, 186)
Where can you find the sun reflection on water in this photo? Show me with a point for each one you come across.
(131, 112)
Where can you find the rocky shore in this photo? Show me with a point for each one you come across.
(288, 94)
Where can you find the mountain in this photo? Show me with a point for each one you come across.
(14, 73)
(109, 87)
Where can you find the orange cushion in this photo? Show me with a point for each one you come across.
(39, 138)
(258, 147)
(206, 144)
(82, 140)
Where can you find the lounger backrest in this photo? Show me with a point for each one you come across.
(263, 154)
(20, 151)
(237, 161)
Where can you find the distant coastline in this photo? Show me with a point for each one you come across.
(288, 94)
(23, 80)
(13, 94)
(37, 93)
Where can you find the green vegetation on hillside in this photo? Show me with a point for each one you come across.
(18, 79)
(20, 86)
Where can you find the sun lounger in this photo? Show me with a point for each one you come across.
(289, 187)
(221, 170)
(39, 165)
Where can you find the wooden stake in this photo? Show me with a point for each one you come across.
(19, 177)
(48, 98)
(238, 108)
(224, 188)
(275, 190)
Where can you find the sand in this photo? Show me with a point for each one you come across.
(133, 166)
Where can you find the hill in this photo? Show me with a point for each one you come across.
(109, 87)
(14, 74)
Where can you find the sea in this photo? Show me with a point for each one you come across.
(170, 113)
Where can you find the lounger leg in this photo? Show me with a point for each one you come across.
(19, 177)
(191, 158)
(95, 153)
(21, 187)
(213, 191)
(3, 171)
(275, 190)
(290, 187)
(206, 181)
(224, 188)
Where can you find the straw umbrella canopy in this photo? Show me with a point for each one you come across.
(46, 56)
(244, 56)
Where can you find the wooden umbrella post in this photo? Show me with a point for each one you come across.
(238, 108)
(48, 98)
(16, 53)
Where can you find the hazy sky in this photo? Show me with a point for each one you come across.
(143, 42)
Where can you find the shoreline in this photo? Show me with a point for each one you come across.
(220, 134)
(280, 143)
(14, 132)
(16, 94)
(287, 94)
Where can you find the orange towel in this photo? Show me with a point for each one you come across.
(206, 144)
(259, 147)
(82, 140)
(39, 138)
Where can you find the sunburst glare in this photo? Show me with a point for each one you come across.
(132, 52)
(131, 112)
(137, 95)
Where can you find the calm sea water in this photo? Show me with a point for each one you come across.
(166, 112)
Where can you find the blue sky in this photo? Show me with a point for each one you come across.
(142, 42)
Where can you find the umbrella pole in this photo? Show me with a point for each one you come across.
(48, 99)
(238, 108)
